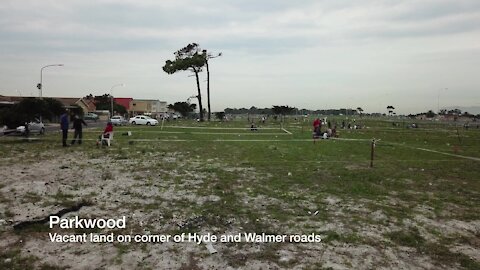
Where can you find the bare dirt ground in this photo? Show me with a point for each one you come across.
(165, 194)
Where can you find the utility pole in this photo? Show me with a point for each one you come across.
(207, 57)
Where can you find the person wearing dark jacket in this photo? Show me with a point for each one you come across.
(77, 126)
(64, 127)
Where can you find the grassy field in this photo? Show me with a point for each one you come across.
(417, 208)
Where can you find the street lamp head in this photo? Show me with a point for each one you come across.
(117, 85)
(40, 85)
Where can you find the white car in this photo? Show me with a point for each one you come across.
(118, 120)
(33, 127)
(143, 120)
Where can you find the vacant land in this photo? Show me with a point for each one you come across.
(417, 208)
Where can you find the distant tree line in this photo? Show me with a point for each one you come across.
(444, 112)
(286, 110)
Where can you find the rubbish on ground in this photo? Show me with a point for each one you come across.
(210, 248)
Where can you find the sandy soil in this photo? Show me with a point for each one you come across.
(156, 200)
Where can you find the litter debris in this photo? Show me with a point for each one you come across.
(316, 213)
(210, 248)
(289, 174)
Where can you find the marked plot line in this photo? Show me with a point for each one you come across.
(436, 152)
(232, 128)
(267, 140)
(210, 133)
(286, 131)
(447, 154)
(416, 148)
(365, 161)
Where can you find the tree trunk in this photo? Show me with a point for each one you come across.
(208, 92)
(199, 97)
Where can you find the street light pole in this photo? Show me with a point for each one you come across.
(40, 85)
(111, 96)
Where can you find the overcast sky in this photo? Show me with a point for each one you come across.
(319, 54)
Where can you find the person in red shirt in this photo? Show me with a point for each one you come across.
(108, 128)
(106, 132)
(317, 125)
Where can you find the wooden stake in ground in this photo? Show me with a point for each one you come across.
(163, 120)
(372, 153)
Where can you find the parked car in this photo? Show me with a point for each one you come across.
(90, 116)
(143, 120)
(176, 116)
(118, 120)
(33, 127)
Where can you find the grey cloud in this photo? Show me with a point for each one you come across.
(431, 10)
(341, 38)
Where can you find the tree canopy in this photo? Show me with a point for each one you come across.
(189, 58)
(28, 109)
(104, 102)
(282, 110)
(390, 109)
(220, 115)
(183, 108)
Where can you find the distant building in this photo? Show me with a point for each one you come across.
(159, 107)
(125, 102)
(85, 104)
(151, 107)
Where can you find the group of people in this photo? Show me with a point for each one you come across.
(329, 132)
(350, 125)
(77, 126)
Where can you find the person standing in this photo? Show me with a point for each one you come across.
(64, 127)
(316, 127)
(77, 126)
